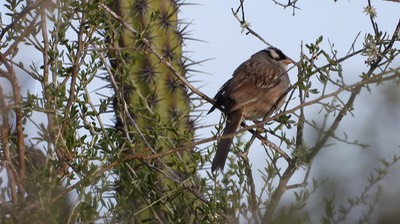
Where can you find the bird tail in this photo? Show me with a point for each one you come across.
(232, 123)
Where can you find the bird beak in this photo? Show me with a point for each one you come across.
(288, 61)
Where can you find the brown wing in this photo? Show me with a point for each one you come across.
(251, 82)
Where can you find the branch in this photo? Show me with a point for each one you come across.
(17, 18)
(355, 90)
(78, 60)
(246, 25)
(278, 193)
(12, 78)
(5, 146)
(250, 180)
(289, 4)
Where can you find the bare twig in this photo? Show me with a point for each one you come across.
(291, 3)
(5, 130)
(250, 180)
(351, 49)
(302, 184)
(245, 24)
(12, 78)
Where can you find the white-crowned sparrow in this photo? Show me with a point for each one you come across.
(252, 93)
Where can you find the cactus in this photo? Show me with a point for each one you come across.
(158, 105)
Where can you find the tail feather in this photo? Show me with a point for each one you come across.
(232, 123)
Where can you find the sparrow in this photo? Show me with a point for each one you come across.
(252, 93)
